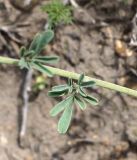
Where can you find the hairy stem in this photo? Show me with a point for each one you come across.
(72, 75)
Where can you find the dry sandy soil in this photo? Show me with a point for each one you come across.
(105, 132)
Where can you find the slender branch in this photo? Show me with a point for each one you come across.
(100, 83)
(72, 75)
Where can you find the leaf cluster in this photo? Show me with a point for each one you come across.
(75, 94)
(58, 12)
(30, 57)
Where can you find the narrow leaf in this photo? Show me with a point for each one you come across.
(70, 82)
(44, 39)
(40, 40)
(81, 92)
(46, 59)
(88, 84)
(57, 93)
(22, 51)
(80, 102)
(91, 100)
(60, 87)
(80, 80)
(41, 68)
(60, 106)
(29, 53)
(35, 42)
(65, 119)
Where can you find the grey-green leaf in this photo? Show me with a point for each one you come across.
(57, 93)
(80, 80)
(65, 119)
(88, 84)
(91, 100)
(41, 68)
(29, 53)
(40, 42)
(35, 42)
(60, 87)
(46, 59)
(81, 92)
(80, 102)
(60, 106)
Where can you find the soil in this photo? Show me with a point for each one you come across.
(105, 132)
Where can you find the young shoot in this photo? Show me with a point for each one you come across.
(31, 58)
(74, 94)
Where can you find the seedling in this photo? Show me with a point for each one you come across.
(74, 92)
(58, 13)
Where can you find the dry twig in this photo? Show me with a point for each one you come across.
(25, 99)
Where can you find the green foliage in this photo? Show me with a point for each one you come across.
(65, 119)
(60, 106)
(40, 40)
(31, 58)
(58, 12)
(75, 94)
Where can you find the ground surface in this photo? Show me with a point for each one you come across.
(107, 132)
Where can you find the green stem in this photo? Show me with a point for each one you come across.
(7, 60)
(100, 83)
(72, 75)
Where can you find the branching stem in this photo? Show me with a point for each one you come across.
(72, 75)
